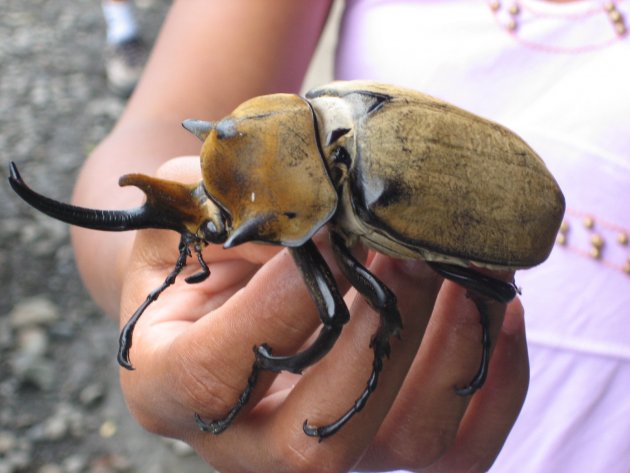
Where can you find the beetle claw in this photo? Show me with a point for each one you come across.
(480, 377)
(320, 432)
(217, 426)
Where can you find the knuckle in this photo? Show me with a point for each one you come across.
(201, 390)
(295, 460)
(302, 454)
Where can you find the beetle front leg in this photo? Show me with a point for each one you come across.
(126, 334)
(204, 272)
(382, 300)
(332, 312)
(480, 288)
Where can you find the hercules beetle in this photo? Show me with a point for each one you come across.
(406, 174)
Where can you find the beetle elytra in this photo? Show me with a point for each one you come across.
(406, 174)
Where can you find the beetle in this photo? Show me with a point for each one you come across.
(406, 174)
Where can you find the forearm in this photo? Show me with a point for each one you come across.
(209, 57)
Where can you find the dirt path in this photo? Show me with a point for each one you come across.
(60, 405)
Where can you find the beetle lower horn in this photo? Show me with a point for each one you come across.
(109, 220)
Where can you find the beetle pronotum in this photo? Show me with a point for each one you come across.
(406, 174)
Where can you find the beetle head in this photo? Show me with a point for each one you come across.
(262, 166)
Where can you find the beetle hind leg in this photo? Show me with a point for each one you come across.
(383, 301)
(480, 289)
(480, 377)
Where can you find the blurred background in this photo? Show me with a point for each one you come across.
(61, 409)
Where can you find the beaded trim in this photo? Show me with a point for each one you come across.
(596, 239)
(511, 15)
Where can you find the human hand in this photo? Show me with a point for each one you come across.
(192, 351)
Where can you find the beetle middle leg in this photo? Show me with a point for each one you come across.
(480, 288)
(382, 300)
(333, 313)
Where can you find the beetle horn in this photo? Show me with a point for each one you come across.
(200, 128)
(111, 220)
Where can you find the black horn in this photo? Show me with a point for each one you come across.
(109, 220)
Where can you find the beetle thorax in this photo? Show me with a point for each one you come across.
(263, 166)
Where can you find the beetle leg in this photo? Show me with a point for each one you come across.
(480, 283)
(203, 274)
(480, 287)
(480, 377)
(332, 312)
(126, 334)
(382, 300)
(377, 294)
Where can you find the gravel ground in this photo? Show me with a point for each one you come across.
(61, 410)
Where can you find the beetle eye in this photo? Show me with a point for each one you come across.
(213, 233)
(340, 155)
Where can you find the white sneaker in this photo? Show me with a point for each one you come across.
(124, 63)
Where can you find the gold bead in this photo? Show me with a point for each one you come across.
(588, 222)
(561, 239)
(597, 241)
(626, 268)
(609, 6)
(620, 28)
(564, 227)
(511, 25)
(615, 16)
(494, 5)
(595, 252)
(622, 238)
(514, 9)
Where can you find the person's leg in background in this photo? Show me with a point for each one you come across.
(126, 51)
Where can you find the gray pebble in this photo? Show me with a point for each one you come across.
(76, 463)
(8, 442)
(32, 341)
(37, 310)
(56, 428)
(34, 370)
(18, 460)
(50, 468)
(92, 394)
(6, 467)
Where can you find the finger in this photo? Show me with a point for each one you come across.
(495, 408)
(425, 419)
(211, 359)
(329, 388)
(185, 169)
